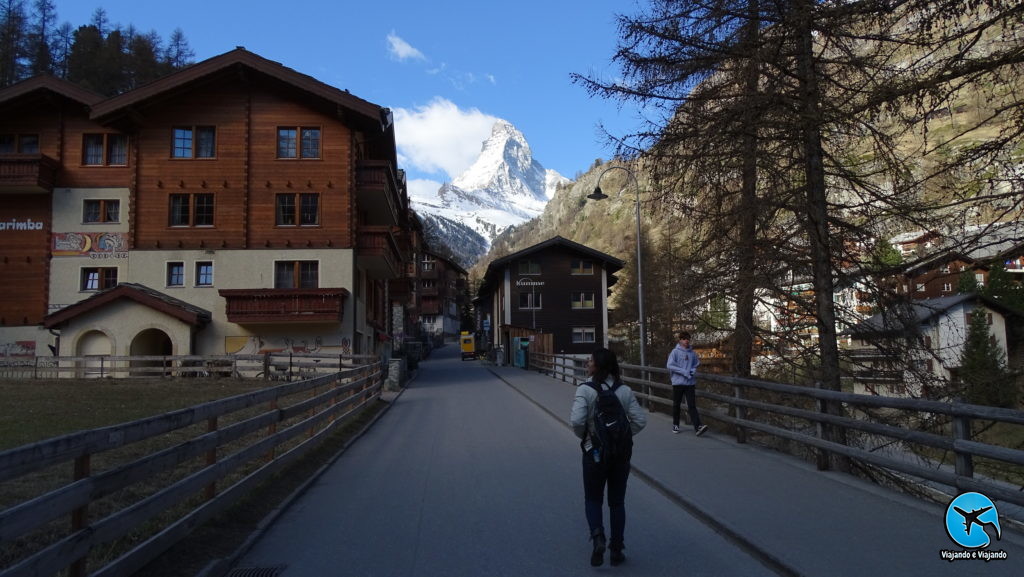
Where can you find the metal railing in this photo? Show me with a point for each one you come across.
(760, 406)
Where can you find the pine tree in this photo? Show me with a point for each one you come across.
(13, 41)
(983, 371)
(41, 37)
(967, 283)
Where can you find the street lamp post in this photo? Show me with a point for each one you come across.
(598, 195)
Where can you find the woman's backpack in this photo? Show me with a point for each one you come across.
(614, 435)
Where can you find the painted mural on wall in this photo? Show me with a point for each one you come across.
(94, 244)
(258, 345)
(18, 350)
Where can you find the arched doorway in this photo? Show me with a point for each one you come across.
(95, 346)
(150, 343)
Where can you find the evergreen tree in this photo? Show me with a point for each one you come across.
(83, 62)
(966, 283)
(41, 37)
(983, 367)
(13, 41)
(1003, 288)
(178, 53)
(63, 38)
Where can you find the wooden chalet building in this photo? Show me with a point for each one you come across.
(441, 290)
(558, 288)
(241, 206)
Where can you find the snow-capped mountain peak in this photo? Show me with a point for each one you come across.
(505, 186)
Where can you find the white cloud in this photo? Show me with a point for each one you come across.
(402, 50)
(440, 138)
(423, 190)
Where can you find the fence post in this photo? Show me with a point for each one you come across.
(962, 432)
(80, 516)
(741, 415)
(289, 367)
(211, 459)
(822, 456)
(266, 366)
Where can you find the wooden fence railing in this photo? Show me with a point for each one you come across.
(212, 455)
(271, 366)
(750, 402)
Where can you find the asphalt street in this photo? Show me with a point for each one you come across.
(465, 476)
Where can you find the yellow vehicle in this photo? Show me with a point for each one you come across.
(468, 344)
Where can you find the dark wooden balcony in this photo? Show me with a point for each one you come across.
(430, 307)
(252, 306)
(380, 194)
(402, 289)
(377, 252)
(31, 173)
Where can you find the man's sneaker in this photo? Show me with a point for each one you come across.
(701, 430)
(675, 429)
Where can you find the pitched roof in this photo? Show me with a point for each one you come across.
(47, 83)
(233, 60)
(141, 294)
(612, 264)
(909, 316)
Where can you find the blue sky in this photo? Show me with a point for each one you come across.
(447, 68)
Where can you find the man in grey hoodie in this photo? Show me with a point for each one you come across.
(682, 366)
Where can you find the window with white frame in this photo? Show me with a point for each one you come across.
(584, 335)
(582, 300)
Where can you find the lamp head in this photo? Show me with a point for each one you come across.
(597, 194)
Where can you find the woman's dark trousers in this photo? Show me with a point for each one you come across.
(595, 477)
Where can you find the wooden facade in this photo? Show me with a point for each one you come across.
(43, 108)
(557, 287)
(199, 177)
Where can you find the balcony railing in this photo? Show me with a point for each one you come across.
(27, 173)
(248, 306)
(378, 252)
(878, 376)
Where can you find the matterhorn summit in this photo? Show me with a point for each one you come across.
(506, 186)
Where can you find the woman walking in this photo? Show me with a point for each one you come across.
(605, 465)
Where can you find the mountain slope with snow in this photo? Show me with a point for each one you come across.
(504, 187)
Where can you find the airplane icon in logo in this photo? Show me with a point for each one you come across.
(971, 519)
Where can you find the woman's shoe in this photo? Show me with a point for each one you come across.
(597, 556)
(616, 557)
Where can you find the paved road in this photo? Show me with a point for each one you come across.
(464, 476)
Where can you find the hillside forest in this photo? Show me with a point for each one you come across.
(105, 58)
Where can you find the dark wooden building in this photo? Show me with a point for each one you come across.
(558, 287)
